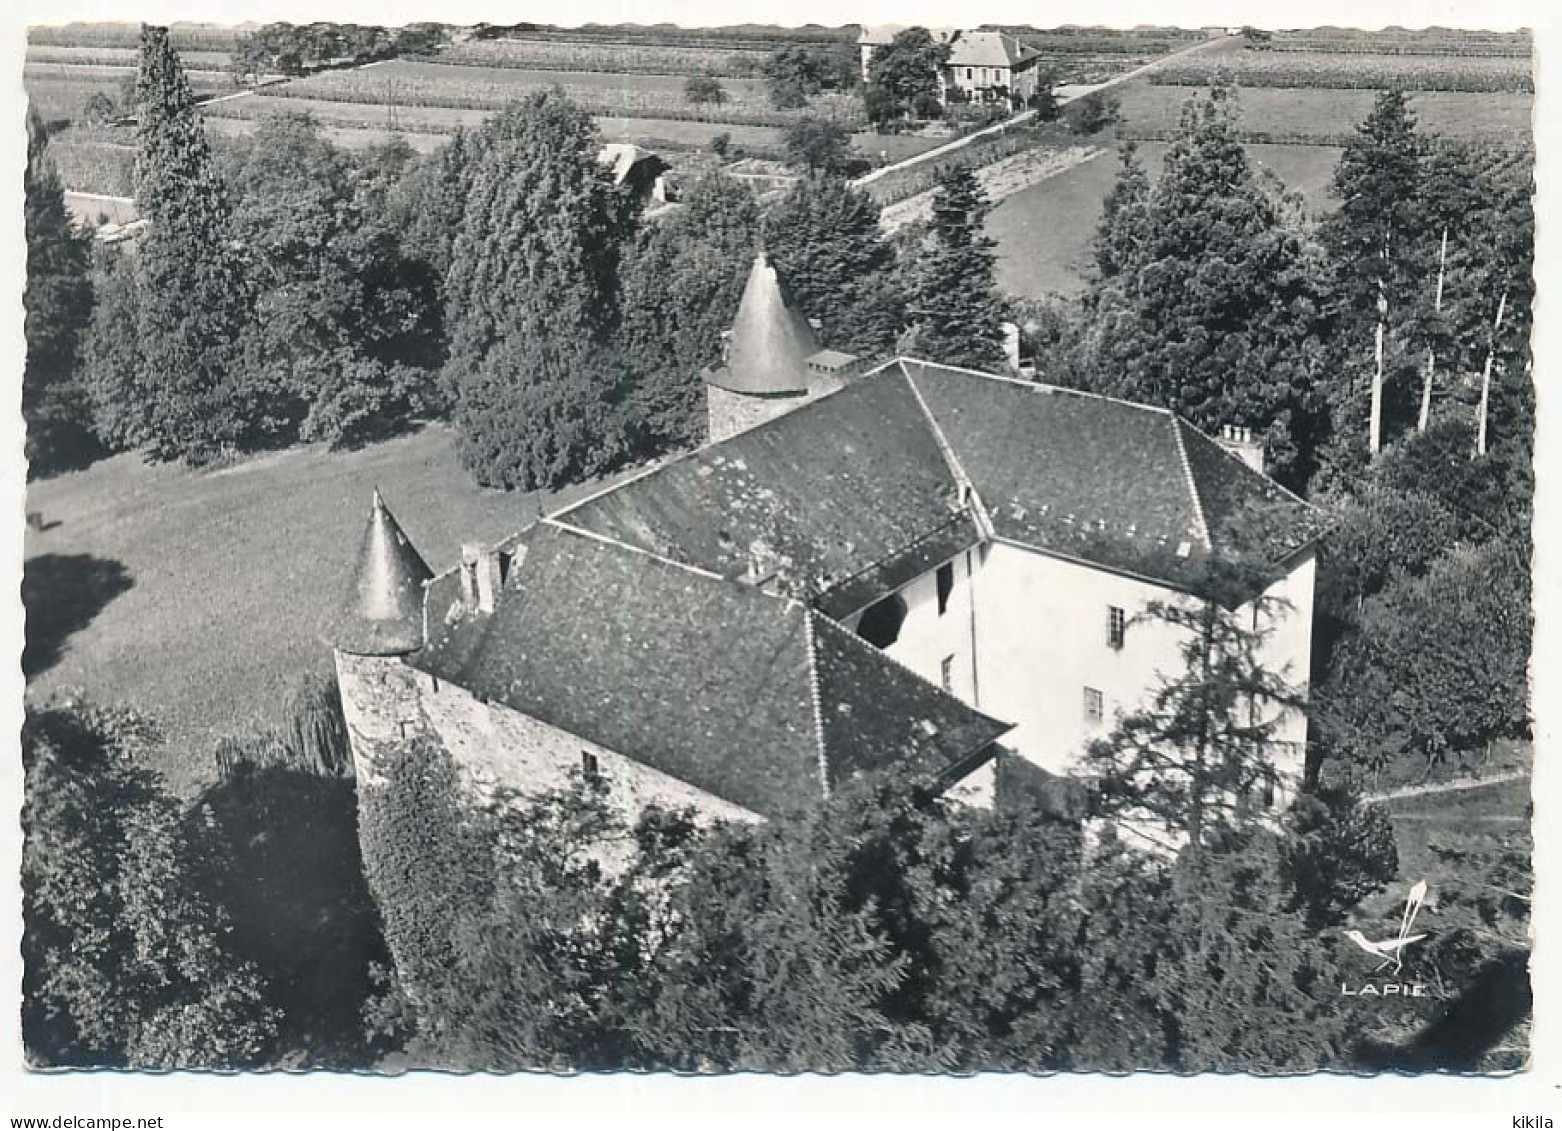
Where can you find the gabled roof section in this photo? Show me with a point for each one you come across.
(771, 342)
(881, 35)
(382, 613)
(710, 681)
(1120, 485)
(875, 714)
(804, 503)
(989, 49)
(1238, 503)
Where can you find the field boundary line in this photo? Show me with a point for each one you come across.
(1447, 786)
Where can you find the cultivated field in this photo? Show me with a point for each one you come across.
(196, 596)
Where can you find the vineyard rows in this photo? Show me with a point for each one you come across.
(562, 55)
(1348, 71)
(122, 57)
(129, 35)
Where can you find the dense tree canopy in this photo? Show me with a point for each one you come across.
(532, 281)
(955, 309)
(904, 76)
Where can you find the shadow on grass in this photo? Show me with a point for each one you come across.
(63, 594)
(288, 871)
(1463, 1034)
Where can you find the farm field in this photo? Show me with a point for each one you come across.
(122, 583)
(1353, 70)
(1332, 115)
(1045, 233)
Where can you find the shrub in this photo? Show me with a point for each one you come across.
(704, 90)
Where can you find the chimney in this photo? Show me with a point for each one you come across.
(480, 576)
(1239, 441)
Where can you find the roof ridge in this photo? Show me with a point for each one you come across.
(1043, 386)
(1229, 454)
(650, 469)
(816, 699)
(571, 528)
(1201, 525)
(984, 520)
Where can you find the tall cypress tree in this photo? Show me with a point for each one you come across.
(1218, 317)
(58, 303)
(825, 241)
(195, 300)
(956, 306)
(533, 275)
(1122, 233)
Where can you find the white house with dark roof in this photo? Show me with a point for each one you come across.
(983, 66)
(912, 572)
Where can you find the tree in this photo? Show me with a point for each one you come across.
(825, 241)
(348, 328)
(956, 311)
(794, 73)
(1219, 315)
(428, 203)
(1338, 850)
(126, 961)
(682, 279)
(99, 109)
(1376, 235)
(1123, 232)
(704, 90)
(195, 298)
(58, 303)
(1096, 112)
(532, 282)
(819, 145)
(1194, 763)
(906, 74)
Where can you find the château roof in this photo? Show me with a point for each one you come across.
(768, 350)
(988, 49)
(382, 612)
(757, 700)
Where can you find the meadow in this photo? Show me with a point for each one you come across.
(198, 596)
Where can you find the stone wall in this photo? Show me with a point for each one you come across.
(728, 413)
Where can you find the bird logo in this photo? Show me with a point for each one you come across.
(1390, 950)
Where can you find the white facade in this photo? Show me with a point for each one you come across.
(1029, 638)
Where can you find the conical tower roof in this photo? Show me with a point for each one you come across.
(770, 341)
(382, 614)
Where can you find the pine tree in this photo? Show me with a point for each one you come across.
(682, 279)
(1219, 317)
(825, 241)
(532, 276)
(58, 303)
(1377, 239)
(195, 299)
(1122, 234)
(956, 306)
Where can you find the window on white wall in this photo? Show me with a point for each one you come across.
(946, 585)
(1095, 706)
(588, 764)
(1116, 626)
(946, 672)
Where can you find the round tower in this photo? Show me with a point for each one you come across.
(379, 621)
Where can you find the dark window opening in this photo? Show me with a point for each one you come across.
(588, 764)
(1095, 705)
(946, 585)
(880, 624)
(946, 673)
(1116, 626)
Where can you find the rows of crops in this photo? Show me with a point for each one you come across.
(1351, 71)
(405, 84)
(1398, 41)
(567, 55)
(192, 36)
(1099, 41)
(758, 37)
(122, 57)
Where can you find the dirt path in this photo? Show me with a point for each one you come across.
(1000, 180)
(1447, 786)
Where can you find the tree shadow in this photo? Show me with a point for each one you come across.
(1463, 1034)
(63, 594)
(287, 868)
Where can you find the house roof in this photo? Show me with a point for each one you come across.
(754, 699)
(989, 49)
(771, 342)
(1125, 486)
(382, 612)
(622, 157)
(882, 35)
(812, 501)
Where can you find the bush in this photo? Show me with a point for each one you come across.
(1338, 851)
(704, 90)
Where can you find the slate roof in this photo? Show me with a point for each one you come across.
(1120, 485)
(882, 35)
(382, 612)
(816, 499)
(755, 699)
(989, 49)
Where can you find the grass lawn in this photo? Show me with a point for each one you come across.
(1046, 234)
(197, 596)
